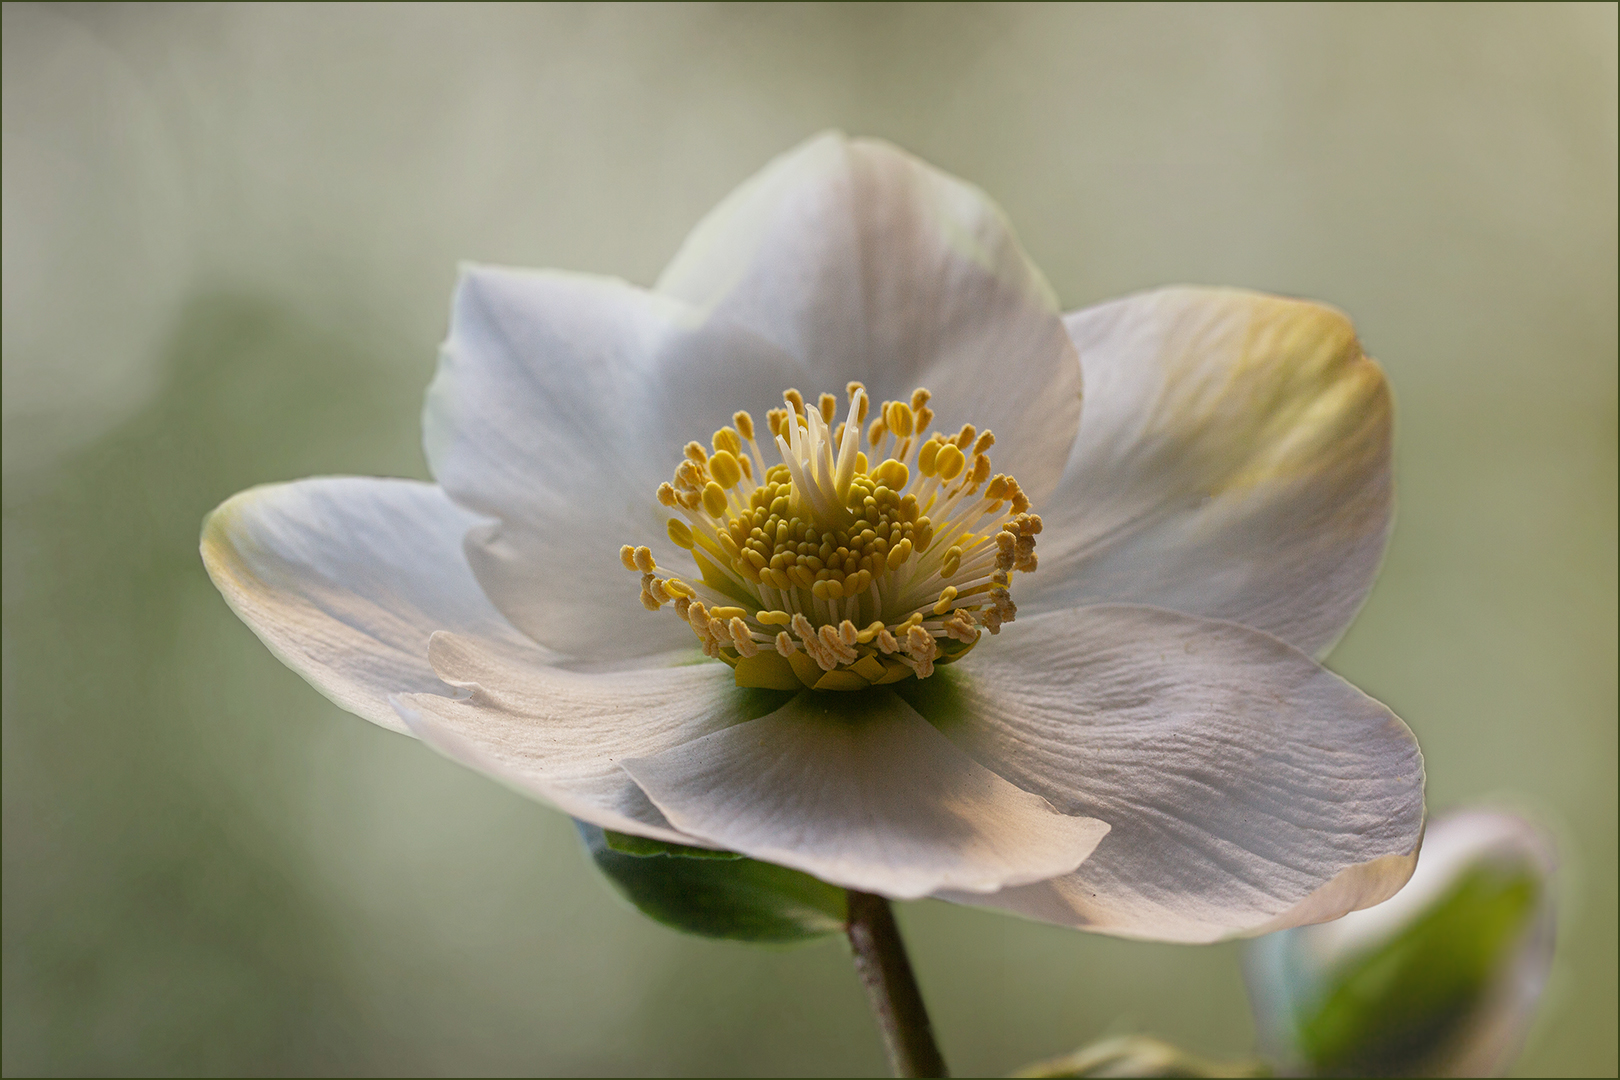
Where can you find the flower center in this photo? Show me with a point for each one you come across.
(822, 571)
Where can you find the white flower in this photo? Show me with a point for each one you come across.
(1147, 750)
(1441, 980)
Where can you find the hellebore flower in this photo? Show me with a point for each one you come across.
(1441, 980)
(1139, 741)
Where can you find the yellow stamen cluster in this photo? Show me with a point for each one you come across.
(828, 572)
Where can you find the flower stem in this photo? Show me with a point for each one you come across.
(880, 958)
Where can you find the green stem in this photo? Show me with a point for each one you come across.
(880, 957)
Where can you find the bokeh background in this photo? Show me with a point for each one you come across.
(230, 236)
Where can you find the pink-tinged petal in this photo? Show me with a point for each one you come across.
(1234, 462)
(867, 264)
(346, 578)
(1246, 786)
(860, 791)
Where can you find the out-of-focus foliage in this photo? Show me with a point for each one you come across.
(230, 234)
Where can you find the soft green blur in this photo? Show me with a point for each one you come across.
(1393, 1007)
(230, 235)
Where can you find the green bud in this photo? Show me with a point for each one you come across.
(717, 894)
(1439, 980)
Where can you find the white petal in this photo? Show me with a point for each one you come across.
(345, 579)
(1453, 844)
(560, 735)
(1234, 462)
(561, 403)
(1246, 785)
(860, 791)
(867, 264)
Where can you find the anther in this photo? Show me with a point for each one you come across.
(695, 451)
(698, 616)
(795, 399)
(680, 534)
(920, 645)
(900, 419)
(714, 499)
(829, 406)
(627, 555)
(949, 462)
(981, 469)
(741, 639)
(892, 474)
(723, 466)
(745, 424)
(833, 642)
(927, 455)
(644, 560)
(960, 627)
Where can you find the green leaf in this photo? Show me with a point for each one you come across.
(626, 844)
(1391, 1009)
(717, 894)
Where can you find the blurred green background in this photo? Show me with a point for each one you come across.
(230, 236)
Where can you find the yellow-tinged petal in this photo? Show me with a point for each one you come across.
(1234, 463)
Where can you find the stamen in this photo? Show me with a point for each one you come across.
(873, 574)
